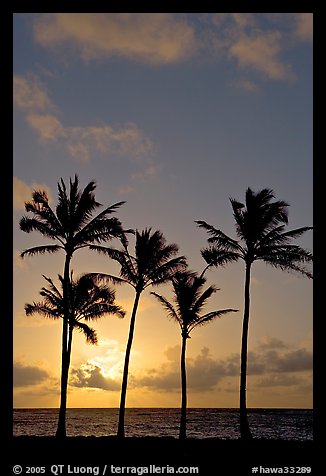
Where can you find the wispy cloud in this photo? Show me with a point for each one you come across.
(299, 26)
(267, 342)
(245, 85)
(261, 53)
(157, 38)
(279, 381)
(82, 142)
(149, 172)
(29, 93)
(256, 48)
(303, 26)
(255, 43)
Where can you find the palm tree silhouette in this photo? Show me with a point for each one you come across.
(260, 227)
(189, 300)
(72, 227)
(88, 301)
(154, 263)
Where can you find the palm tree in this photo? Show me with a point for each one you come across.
(189, 300)
(260, 227)
(154, 263)
(88, 301)
(71, 226)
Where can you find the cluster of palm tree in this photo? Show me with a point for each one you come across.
(260, 227)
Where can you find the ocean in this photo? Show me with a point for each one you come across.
(277, 424)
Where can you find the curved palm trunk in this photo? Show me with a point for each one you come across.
(65, 359)
(121, 423)
(183, 418)
(244, 425)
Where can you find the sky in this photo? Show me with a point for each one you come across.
(173, 113)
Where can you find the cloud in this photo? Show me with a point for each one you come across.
(82, 142)
(23, 193)
(244, 84)
(158, 38)
(256, 43)
(150, 171)
(203, 372)
(303, 29)
(103, 368)
(90, 376)
(264, 360)
(267, 342)
(47, 126)
(270, 364)
(281, 380)
(24, 375)
(30, 94)
(260, 52)
(294, 361)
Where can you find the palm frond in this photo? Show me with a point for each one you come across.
(220, 239)
(203, 320)
(278, 236)
(97, 310)
(41, 250)
(203, 298)
(42, 309)
(28, 225)
(166, 271)
(172, 314)
(90, 334)
(43, 212)
(128, 265)
(99, 230)
(109, 278)
(53, 287)
(290, 261)
(287, 253)
(81, 203)
(217, 257)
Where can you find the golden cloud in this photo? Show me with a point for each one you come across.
(47, 126)
(29, 93)
(260, 52)
(80, 142)
(151, 37)
(304, 26)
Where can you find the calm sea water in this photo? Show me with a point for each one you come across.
(201, 422)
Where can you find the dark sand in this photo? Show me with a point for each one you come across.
(211, 456)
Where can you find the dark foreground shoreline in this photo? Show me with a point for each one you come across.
(210, 455)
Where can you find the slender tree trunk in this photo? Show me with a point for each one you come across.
(69, 345)
(183, 418)
(121, 423)
(61, 430)
(244, 425)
